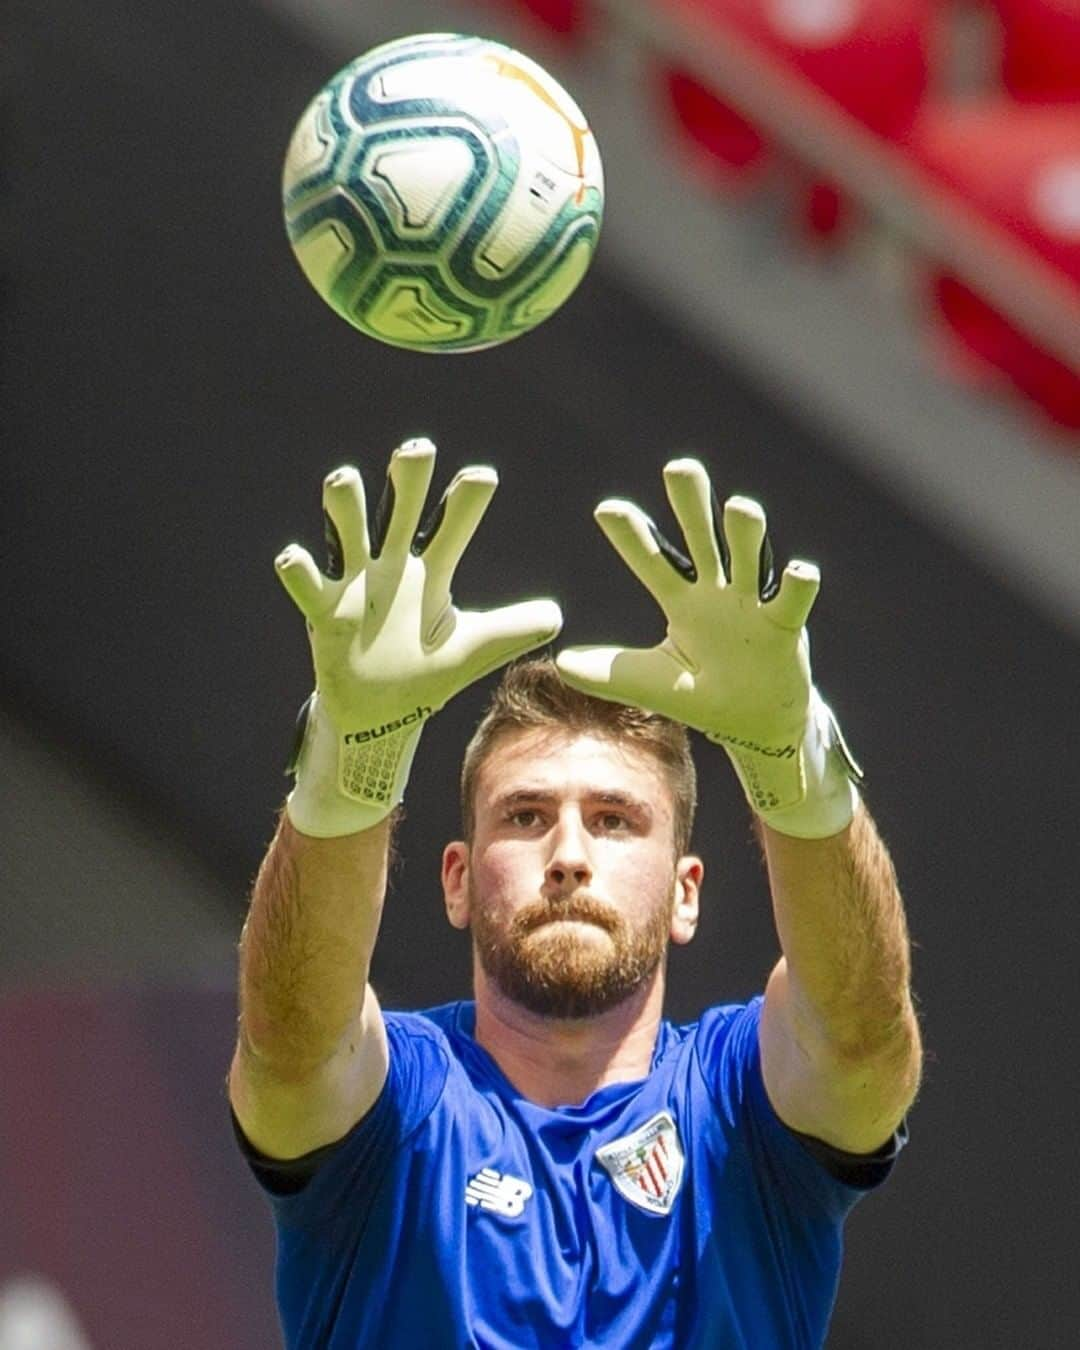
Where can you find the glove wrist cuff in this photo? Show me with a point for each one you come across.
(830, 776)
(347, 781)
(806, 788)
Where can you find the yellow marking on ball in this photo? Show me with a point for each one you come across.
(510, 71)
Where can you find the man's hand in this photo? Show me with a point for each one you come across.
(735, 663)
(389, 646)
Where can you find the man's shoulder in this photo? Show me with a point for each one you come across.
(445, 1021)
(720, 1020)
(444, 1031)
(722, 1041)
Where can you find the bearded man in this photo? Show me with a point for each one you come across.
(552, 1163)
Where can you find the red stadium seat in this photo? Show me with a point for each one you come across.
(1040, 49)
(1019, 167)
(870, 57)
(726, 145)
(566, 18)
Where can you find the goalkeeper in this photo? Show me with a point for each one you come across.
(552, 1163)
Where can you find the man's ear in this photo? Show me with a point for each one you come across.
(689, 873)
(455, 882)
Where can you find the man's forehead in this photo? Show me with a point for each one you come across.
(550, 758)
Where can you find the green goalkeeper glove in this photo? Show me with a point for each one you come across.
(389, 646)
(735, 663)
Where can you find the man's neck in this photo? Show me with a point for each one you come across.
(561, 1063)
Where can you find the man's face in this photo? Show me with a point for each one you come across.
(571, 887)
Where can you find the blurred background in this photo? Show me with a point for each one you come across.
(840, 262)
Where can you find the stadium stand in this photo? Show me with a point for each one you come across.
(870, 58)
(856, 116)
(1019, 167)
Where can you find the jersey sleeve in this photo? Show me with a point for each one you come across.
(344, 1174)
(827, 1178)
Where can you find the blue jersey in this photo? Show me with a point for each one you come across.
(675, 1211)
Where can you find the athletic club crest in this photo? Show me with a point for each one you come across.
(647, 1166)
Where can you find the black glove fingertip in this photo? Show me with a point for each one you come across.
(335, 554)
(383, 515)
(721, 538)
(768, 584)
(681, 563)
(429, 528)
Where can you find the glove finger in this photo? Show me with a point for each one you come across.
(691, 496)
(651, 678)
(302, 579)
(799, 586)
(744, 527)
(643, 548)
(485, 640)
(346, 512)
(445, 535)
(408, 478)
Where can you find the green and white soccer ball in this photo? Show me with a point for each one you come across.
(443, 193)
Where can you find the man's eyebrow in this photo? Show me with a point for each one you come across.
(544, 797)
(616, 797)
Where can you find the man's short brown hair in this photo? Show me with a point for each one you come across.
(532, 695)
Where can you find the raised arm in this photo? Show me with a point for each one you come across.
(311, 1054)
(389, 649)
(839, 1038)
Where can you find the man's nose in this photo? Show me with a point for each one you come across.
(568, 867)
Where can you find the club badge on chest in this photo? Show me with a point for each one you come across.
(647, 1166)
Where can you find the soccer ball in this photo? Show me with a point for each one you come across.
(443, 193)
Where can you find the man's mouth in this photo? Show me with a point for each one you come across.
(584, 912)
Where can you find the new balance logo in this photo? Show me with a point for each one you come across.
(499, 1191)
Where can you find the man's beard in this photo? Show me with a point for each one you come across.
(560, 974)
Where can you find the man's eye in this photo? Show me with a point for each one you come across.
(612, 821)
(523, 819)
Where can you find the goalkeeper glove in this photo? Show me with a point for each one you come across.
(389, 646)
(735, 663)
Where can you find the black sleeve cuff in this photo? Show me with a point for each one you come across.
(863, 1171)
(282, 1176)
